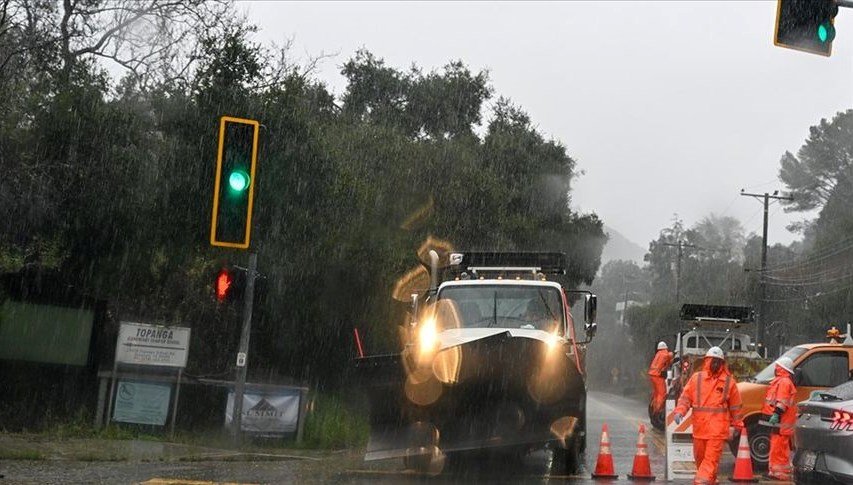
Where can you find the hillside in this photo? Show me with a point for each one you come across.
(620, 247)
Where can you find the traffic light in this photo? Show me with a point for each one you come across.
(806, 25)
(234, 188)
(222, 285)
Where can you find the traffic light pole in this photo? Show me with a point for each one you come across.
(242, 353)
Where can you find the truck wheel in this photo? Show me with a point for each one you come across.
(568, 461)
(658, 419)
(759, 445)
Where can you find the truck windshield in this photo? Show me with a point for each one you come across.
(504, 306)
(766, 375)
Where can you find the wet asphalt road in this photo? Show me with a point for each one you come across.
(622, 415)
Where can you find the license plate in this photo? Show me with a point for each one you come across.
(807, 460)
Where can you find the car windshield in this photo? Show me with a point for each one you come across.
(502, 306)
(843, 392)
(766, 374)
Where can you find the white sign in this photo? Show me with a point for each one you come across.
(142, 402)
(143, 344)
(269, 413)
(241, 359)
(679, 445)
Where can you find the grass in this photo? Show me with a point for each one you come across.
(335, 424)
(99, 457)
(13, 454)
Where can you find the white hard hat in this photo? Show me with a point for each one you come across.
(786, 363)
(715, 352)
(662, 345)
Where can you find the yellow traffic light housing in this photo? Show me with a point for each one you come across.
(806, 25)
(234, 188)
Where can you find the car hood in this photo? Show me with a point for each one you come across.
(459, 336)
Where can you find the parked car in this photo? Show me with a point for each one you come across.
(823, 437)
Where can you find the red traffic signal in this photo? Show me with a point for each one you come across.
(224, 281)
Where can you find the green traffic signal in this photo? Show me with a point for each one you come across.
(826, 32)
(238, 181)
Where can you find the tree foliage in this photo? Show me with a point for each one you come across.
(110, 183)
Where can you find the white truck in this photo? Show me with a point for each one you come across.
(490, 361)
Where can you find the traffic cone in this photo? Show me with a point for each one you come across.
(604, 465)
(743, 462)
(642, 469)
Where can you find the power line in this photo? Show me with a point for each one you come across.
(808, 297)
(821, 255)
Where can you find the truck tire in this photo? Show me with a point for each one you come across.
(658, 419)
(759, 445)
(570, 460)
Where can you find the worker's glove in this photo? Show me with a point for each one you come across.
(678, 418)
(774, 419)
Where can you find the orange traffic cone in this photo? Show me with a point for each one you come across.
(743, 462)
(642, 469)
(604, 465)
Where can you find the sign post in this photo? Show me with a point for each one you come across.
(142, 344)
(242, 353)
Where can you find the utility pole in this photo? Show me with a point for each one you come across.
(242, 353)
(679, 254)
(763, 277)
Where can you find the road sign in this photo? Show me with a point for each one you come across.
(142, 402)
(144, 344)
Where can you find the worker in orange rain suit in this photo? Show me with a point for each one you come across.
(657, 375)
(782, 414)
(713, 395)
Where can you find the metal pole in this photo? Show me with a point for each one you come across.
(243, 352)
(762, 280)
(678, 273)
(114, 376)
(175, 402)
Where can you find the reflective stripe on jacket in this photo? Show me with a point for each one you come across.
(715, 401)
(781, 394)
(661, 362)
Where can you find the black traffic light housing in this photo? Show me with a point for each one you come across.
(229, 282)
(806, 25)
(234, 188)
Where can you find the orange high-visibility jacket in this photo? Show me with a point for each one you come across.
(661, 362)
(781, 395)
(715, 401)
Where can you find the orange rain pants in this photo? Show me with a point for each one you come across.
(780, 456)
(706, 454)
(658, 392)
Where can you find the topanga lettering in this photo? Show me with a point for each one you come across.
(158, 333)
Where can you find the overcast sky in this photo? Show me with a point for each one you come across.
(668, 107)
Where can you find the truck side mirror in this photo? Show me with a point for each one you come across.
(590, 312)
(590, 309)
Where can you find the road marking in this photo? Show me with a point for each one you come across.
(179, 481)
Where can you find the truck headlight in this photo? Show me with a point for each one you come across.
(427, 335)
